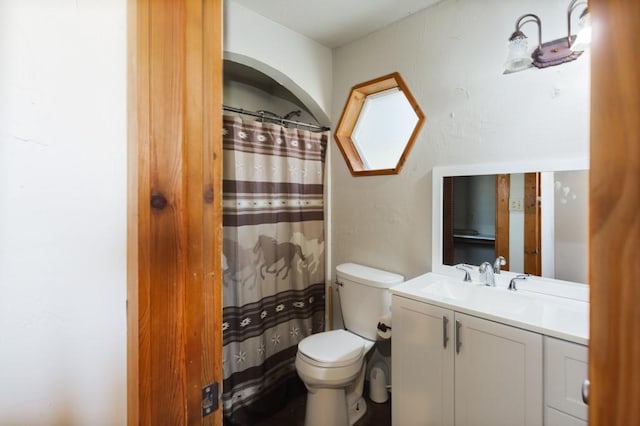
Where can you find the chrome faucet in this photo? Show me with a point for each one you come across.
(486, 272)
(500, 261)
(462, 267)
(512, 283)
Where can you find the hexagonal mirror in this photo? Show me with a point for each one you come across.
(378, 127)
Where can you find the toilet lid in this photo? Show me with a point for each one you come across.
(337, 347)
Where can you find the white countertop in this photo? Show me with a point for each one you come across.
(557, 310)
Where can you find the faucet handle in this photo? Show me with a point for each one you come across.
(463, 267)
(512, 283)
(500, 261)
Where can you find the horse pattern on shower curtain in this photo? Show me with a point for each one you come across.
(273, 254)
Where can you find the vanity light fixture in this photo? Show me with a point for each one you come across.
(583, 39)
(551, 53)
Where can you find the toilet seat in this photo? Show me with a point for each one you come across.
(331, 349)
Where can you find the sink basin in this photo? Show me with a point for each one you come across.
(507, 302)
(449, 290)
(489, 299)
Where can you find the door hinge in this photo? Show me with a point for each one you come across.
(210, 398)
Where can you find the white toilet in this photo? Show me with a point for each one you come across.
(332, 364)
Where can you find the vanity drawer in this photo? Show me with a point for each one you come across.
(565, 370)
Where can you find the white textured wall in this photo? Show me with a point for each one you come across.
(451, 57)
(300, 64)
(571, 242)
(62, 212)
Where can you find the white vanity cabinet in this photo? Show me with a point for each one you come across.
(565, 370)
(451, 368)
(498, 374)
(422, 358)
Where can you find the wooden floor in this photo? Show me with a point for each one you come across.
(293, 414)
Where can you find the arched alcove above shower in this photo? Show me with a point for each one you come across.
(303, 66)
(254, 86)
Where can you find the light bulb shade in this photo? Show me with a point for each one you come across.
(583, 39)
(518, 57)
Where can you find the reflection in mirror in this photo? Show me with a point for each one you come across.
(378, 127)
(469, 217)
(537, 221)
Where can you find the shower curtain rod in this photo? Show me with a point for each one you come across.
(312, 127)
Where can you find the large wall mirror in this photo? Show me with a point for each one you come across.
(535, 216)
(378, 126)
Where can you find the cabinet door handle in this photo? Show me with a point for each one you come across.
(585, 391)
(458, 342)
(445, 334)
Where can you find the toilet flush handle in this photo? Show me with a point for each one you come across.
(339, 284)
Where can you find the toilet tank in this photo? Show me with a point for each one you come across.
(364, 296)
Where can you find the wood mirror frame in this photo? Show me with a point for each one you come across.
(351, 112)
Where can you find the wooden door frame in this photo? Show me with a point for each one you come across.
(174, 297)
(532, 224)
(447, 220)
(614, 218)
(503, 190)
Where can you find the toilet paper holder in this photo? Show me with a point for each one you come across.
(383, 327)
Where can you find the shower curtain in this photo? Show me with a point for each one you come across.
(273, 257)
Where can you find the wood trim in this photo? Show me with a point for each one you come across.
(532, 234)
(447, 220)
(377, 85)
(342, 134)
(212, 221)
(174, 214)
(503, 189)
(349, 118)
(138, 348)
(614, 218)
(421, 119)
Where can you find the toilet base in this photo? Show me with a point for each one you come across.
(326, 406)
(357, 409)
(329, 407)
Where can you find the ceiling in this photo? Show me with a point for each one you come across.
(334, 23)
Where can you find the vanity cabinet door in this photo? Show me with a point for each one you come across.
(498, 374)
(565, 370)
(422, 363)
